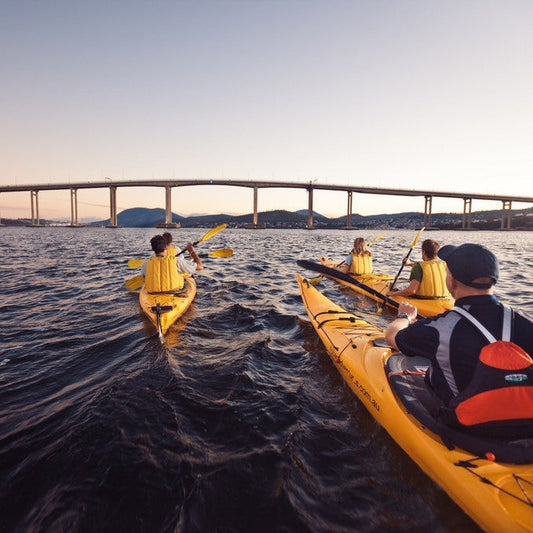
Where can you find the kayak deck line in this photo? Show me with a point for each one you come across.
(406, 373)
(469, 466)
(351, 318)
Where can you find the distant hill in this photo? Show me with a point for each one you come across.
(149, 218)
(316, 216)
(139, 217)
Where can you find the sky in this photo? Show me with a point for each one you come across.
(414, 94)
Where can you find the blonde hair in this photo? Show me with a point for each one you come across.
(359, 247)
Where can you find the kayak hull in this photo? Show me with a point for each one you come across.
(360, 355)
(382, 282)
(172, 305)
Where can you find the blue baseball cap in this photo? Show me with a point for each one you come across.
(470, 262)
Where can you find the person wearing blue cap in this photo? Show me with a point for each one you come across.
(451, 341)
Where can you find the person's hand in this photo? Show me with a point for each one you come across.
(410, 310)
(189, 248)
(404, 260)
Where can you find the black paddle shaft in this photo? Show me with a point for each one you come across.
(332, 272)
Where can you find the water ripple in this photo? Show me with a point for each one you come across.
(239, 422)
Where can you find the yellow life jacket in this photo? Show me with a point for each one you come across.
(162, 275)
(172, 250)
(361, 264)
(433, 282)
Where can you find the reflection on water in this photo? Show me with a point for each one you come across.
(238, 423)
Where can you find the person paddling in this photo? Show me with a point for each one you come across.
(160, 271)
(183, 264)
(453, 341)
(359, 261)
(428, 277)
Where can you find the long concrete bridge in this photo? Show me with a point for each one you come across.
(310, 186)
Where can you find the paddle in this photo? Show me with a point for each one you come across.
(223, 252)
(134, 283)
(318, 279)
(334, 273)
(208, 235)
(413, 244)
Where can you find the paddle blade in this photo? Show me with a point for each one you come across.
(223, 252)
(212, 232)
(376, 238)
(135, 263)
(417, 237)
(315, 281)
(134, 283)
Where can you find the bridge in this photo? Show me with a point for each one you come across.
(310, 186)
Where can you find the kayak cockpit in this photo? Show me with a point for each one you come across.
(407, 379)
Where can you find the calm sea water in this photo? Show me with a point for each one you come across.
(239, 423)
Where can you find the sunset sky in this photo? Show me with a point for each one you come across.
(410, 94)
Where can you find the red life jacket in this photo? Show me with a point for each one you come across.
(501, 390)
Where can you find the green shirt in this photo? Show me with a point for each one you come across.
(416, 272)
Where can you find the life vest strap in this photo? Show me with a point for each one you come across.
(506, 328)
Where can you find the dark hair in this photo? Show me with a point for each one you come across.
(168, 237)
(430, 248)
(158, 244)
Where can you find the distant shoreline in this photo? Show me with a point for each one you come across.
(139, 217)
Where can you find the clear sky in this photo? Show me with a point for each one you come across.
(398, 93)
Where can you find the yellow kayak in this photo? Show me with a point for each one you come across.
(163, 309)
(496, 495)
(381, 284)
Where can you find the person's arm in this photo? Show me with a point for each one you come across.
(406, 316)
(347, 264)
(415, 279)
(195, 257)
(408, 291)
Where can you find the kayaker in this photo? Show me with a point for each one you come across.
(428, 277)
(160, 271)
(450, 341)
(183, 264)
(359, 261)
